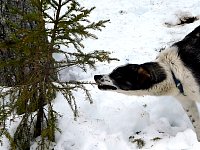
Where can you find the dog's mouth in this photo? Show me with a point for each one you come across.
(104, 83)
(106, 87)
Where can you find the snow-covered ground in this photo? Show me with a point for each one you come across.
(138, 29)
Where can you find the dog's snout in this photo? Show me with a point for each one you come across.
(97, 77)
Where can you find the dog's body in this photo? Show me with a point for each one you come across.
(175, 72)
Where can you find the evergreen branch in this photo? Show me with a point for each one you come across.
(56, 22)
(46, 15)
(55, 3)
(11, 140)
(66, 2)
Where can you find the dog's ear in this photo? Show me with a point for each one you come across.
(143, 74)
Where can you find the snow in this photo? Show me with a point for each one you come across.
(136, 32)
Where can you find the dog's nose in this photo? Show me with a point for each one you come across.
(97, 77)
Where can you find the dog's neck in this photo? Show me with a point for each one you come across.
(161, 82)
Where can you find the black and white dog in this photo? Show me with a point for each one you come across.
(175, 72)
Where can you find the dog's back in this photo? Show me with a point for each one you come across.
(189, 52)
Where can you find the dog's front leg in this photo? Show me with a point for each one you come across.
(192, 111)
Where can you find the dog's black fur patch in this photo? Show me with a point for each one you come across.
(189, 52)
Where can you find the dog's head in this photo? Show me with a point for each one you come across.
(128, 77)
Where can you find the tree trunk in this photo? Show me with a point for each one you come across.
(9, 74)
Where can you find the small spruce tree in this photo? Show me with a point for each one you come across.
(35, 70)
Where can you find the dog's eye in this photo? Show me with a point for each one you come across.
(116, 75)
